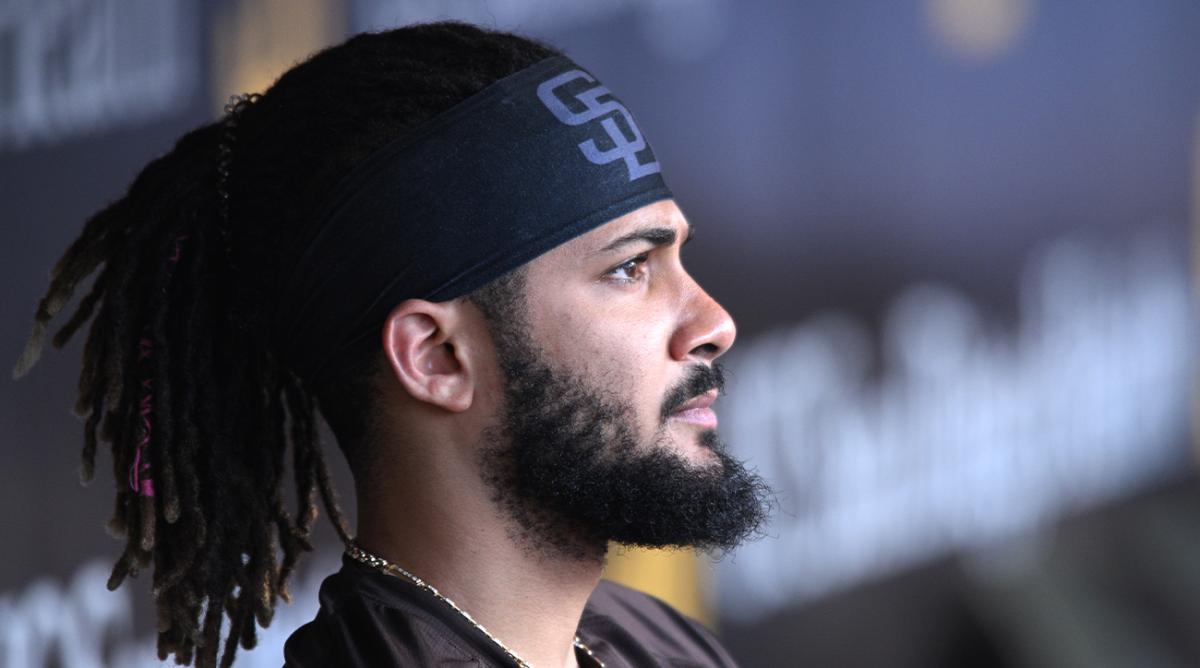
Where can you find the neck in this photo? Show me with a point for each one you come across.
(467, 548)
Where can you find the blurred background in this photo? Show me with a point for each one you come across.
(958, 237)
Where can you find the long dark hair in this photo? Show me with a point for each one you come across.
(180, 374)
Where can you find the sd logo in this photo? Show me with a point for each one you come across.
(624, 147)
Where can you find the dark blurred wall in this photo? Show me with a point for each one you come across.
(956, 236)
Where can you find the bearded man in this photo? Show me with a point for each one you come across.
(457, 245)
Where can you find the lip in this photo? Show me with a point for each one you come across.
(697, 411)
(699, 401)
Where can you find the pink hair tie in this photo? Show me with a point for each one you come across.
(139, 473)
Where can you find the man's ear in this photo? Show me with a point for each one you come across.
(428, 350)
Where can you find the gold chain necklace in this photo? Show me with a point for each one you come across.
(358, 554)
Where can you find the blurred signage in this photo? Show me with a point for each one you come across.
(71, 67)
(966, 434)
(84, 625)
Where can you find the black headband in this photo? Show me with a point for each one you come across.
(528, 163)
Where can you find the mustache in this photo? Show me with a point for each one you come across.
(699, 379)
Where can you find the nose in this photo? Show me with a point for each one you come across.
(705, 329)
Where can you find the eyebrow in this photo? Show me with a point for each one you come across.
(656, 236)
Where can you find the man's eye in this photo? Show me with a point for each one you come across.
(633, 269)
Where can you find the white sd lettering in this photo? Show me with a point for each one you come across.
(624, 147)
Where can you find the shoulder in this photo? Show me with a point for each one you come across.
(633, 621)
(366, 621)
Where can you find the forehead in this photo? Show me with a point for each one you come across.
(664, 213)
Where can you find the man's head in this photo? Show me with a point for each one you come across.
(191, 369)
(583, 381)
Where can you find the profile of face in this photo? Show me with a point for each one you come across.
(608, 370)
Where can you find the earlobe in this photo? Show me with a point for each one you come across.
(420, 341)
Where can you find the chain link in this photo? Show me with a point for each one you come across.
(379, 563)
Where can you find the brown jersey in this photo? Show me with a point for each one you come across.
(369, 618)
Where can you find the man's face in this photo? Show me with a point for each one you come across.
(608, 376)
(616, 306)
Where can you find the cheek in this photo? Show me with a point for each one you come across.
(616, 342)
(594, 341)
(627, 360)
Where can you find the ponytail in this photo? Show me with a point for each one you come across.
(198, 412)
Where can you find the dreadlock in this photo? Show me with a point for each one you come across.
(180, 375)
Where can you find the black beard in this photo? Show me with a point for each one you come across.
(565, 463)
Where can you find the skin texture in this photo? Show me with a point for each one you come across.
(635, 328)
(616, 310)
